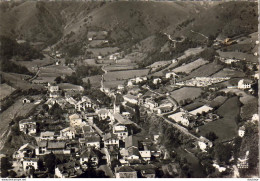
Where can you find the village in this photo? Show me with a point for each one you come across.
(100, 108)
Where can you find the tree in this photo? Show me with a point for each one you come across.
(58, 79)
(115, 163)
(12, 174)
(223, 152)
(211, 136)
(50, 162)
(45, 107)
(5, 166)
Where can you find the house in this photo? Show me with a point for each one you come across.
(103, 114)
(68, 133)
(120, 87)
(58, 147)
(125, 172)
(133, 154)
(120, 130)
(130, 98)
(180, 117)
(255, 117)
(112, 153)
(146, 155)
(120, 119)
(220, 169)
(201, 109)
(131, 141)
(157, 81)
(126, 114)
(150, 103)
(204, 143)
(26, 100)
(244, 84)
(241, 131)
(30, 162)
(110, 139)
(242, 163)
(53, 88)
(75, 120)
(148, 173)
(47, 135)
(41, 149)
(170, 75)
(92, 140)
(89, 154)
(229, 61)
(68, 170)
(28, 126)
(163, 109)
(27, 150)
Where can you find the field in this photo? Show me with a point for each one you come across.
(55, 70)
(89, 62)
(204, 71)
(249, 103)
(186, 93)
(163, 71)
(94, 80)
(190, 66)
(218, 101)
(113, 84)
(118, 67)
(5, 91)
(103, 51)
(225, 128)
(17, 81)
(191, 51)
(239, 55)
(123, 75)
(226, 72)
(32, 65)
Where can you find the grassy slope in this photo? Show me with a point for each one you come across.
(225, 128)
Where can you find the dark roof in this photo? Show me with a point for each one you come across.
(89, 153)
(148, 171)
(125, 169)
(193, 106)
(109, 136)
(131, 141)
(56, 145)
(42, 143)
(92, 138)
(133, 151)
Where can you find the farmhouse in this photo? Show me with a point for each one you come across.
(48, 135)
(53, 87)
(110, 139)
(244, 84)
(89, 154)
(92, 140)
(103, 113)
(24, 151)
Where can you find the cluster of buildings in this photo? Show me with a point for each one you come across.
(202, 81)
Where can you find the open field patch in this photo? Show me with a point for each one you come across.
(191, 51)
(123, 75)
(118, 67)
(190, 66)
(226, 127)
(5, 91)
(186, 93)
(103, 51)
(239, 55)
(205, 70)
(226, 72)
(94, 80)
(114, 83)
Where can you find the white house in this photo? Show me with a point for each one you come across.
(53, 88)
(204, 143)
(229, 61)
(90, 141)
(68, 133)
(157, 81)
(120, 130)
(89, 154)
(244, 84)
(75, 120)
(146, 155)
(130, 98)
(170, 75)
(241, 131)
(47, 135)
(125, 172)
(103, 113)
(30, 162)
(201, 109)
(27, 126)
(110, 139)
(24, 151)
